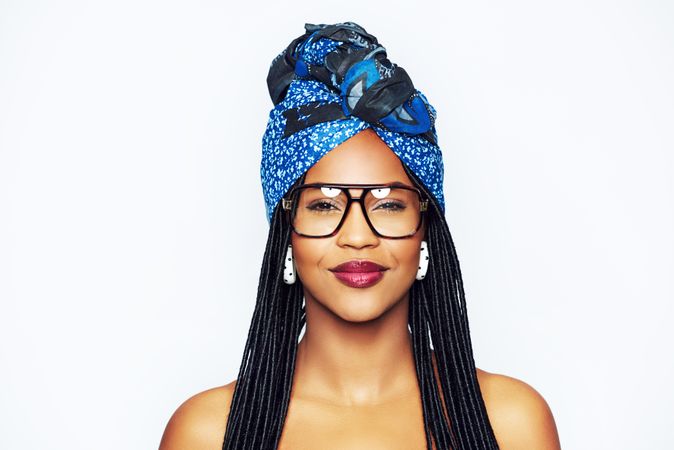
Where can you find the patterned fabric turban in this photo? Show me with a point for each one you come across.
(331, 83)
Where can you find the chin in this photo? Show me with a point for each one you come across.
(358, 316)
(359, 309)
(351, 304)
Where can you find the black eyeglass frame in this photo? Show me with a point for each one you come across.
(287, 204)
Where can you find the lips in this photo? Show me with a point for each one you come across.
(359, 273)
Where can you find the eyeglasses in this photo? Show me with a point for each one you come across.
(392, 210)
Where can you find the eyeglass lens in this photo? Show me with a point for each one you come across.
(393, 212)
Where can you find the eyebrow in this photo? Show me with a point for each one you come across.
(358, 185)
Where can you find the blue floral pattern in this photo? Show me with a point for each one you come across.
(285, 159)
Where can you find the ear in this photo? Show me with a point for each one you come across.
(424, 228)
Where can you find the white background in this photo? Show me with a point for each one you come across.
(132, 223)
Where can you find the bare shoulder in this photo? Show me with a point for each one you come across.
(199, 423)
(519, 415)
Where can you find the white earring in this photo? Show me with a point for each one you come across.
(289, 275)
(423, 261)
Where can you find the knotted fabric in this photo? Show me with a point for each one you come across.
(331, 83)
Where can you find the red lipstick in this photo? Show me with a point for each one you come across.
(359, 273)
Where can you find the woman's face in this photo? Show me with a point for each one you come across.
(364, 158)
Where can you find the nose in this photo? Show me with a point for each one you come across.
(355, 231)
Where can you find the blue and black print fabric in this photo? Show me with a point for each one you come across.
(331, 83)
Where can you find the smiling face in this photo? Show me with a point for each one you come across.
(362, 159)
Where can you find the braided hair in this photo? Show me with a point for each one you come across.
(453, 408)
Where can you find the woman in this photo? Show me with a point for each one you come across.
(359, 251)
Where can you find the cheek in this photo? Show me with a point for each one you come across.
(408, 257)
(308, 254)
(405, 251)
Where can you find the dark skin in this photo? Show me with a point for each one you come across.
(355, 384)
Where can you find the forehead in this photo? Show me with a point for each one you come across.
(362, 159)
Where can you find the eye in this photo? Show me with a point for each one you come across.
(322, 205)
(391, 206)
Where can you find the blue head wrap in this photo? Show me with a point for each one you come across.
(331, 83)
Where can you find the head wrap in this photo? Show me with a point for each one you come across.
(331, 83)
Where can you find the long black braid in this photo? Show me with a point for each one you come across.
(454, 412)
(438, 304)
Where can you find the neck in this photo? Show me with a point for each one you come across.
(355, 363)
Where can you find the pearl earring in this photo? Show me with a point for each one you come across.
(289, 267)
(423, 261)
